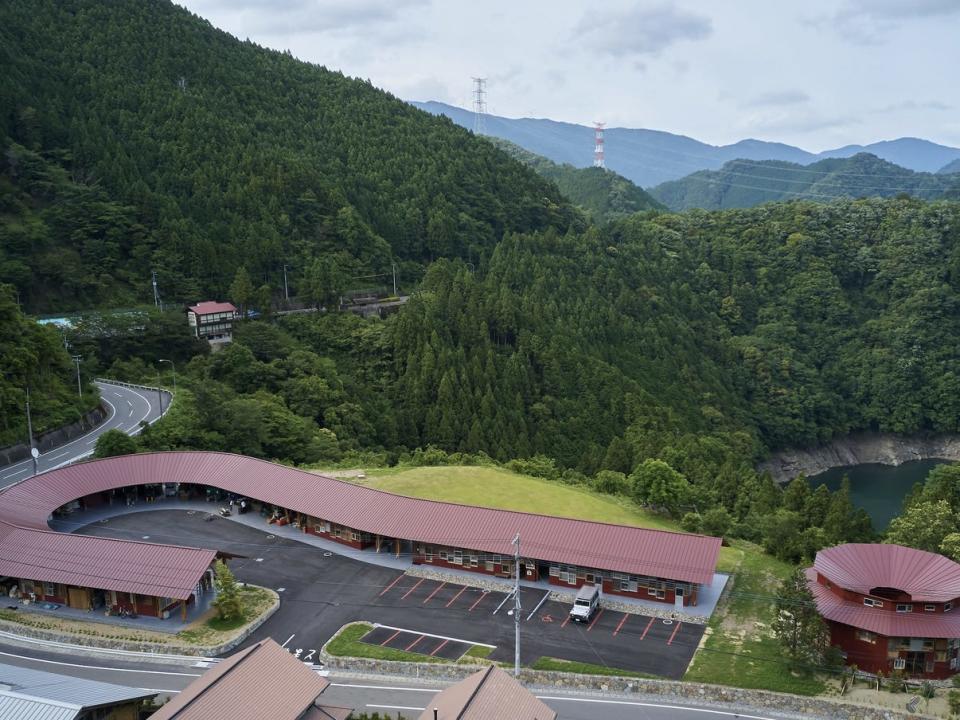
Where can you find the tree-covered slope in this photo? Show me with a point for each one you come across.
(950, 168)
(193, 153)
(604, 194)
(743, 183)
(33, 355)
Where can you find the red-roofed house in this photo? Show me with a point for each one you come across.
(890, 607)
(213, 321)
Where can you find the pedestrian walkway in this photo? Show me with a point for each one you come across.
(706, 600)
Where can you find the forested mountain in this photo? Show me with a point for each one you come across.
(33, 355)
(949, 168)
(137, 137)
(602, 193)
(651, 157)
(743, 183)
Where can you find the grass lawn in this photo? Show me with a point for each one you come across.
(346, 643)
(738, 648)
(212, 630)
(500, 488)
(558, 665)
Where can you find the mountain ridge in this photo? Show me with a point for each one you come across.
(650, 157)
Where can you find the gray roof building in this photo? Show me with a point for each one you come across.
(27, 694)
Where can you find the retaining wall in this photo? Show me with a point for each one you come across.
(52, 438)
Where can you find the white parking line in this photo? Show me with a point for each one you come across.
(385, 687)
(288, 640)
(656, 705)
(97, 667)
(439, 637)
(509, 595)
(395, 707)
(542, 601)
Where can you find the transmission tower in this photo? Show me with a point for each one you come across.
(479, 105)
(598, 160)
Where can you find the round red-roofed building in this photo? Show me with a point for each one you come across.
(890, 607)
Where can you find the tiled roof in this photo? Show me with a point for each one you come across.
(210, 306)
(619, 548)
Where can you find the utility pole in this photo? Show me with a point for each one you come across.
(516, 608)
(156, 293)
(159, 394)
(33, 450)
(286, 290)
(173, 369)
(393, 266)
(77, 359)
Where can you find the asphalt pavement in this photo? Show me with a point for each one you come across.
(321, 591)
(128, 407)
(388, 696)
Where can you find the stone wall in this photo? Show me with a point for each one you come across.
(857, 449)
(52, 438)
(659, 691)
(91, 644)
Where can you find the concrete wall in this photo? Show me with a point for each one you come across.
(50, 439)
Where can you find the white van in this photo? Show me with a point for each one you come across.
(586, 604)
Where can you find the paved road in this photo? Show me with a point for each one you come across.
(386, 695)
(128, 408)
(322, 591)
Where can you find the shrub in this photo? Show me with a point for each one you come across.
(611, 482)
(538, 466)
(692, 522)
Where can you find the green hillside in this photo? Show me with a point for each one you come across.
(136, 137)
(745, 183)
(34, 355)
(604, 194)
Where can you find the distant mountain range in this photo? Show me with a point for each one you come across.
(604, 194)
(651, 157)
(745, 183)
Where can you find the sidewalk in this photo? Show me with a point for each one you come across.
(706, 601)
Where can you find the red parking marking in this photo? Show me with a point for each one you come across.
(453, 599)
(412, 589)
(622, 623)
(565, 621)
(390, 638)
(387, 588)
(646, 629)
(438, 648)
(419, 638)
(674, 633)
(436, 590)
(590, 626)
(482, 596)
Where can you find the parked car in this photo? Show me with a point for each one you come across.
(586, 604)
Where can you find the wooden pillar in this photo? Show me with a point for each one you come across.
(377, 542)
(183, 610)
(398, 546)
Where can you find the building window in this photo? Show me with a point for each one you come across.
(904, 607)
(49, 589)
(488, 566)
(948, 606)
(457, 557)
(355, 536)
(443, 554)
(868, 637)
(929, 608)
(870, 602)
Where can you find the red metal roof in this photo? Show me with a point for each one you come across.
(882, 621)
(212, 306)
(639, 551)
(861, 567)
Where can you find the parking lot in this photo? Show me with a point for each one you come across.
(321, 592)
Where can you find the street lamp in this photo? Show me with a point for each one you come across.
(34, 453)
(77, 359)
(173, 369)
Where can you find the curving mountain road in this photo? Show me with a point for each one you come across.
(128, 406)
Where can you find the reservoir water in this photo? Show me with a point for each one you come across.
(878, 489)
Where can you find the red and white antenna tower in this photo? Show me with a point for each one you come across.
(598, 160)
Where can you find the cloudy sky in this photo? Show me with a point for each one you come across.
(816, 73)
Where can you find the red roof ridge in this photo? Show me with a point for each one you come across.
(451, 503)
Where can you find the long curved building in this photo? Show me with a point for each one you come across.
(87, 572)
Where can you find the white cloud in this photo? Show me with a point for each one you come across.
(640, 31)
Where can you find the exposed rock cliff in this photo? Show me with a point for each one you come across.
(857, 449)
